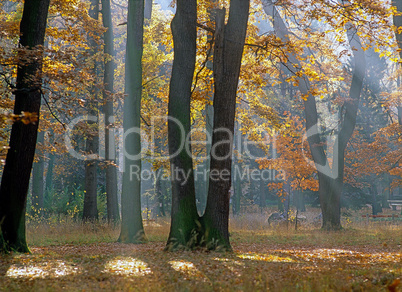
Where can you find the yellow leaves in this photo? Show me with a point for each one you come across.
(276, 82)
(127, 266)
(53, 269)
(265, 258)
(25, 117)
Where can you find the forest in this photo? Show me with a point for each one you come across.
(185, 145)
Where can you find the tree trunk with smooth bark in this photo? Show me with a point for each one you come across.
(398, 23)
(132, 229)
(90, 211)
(112, 205)
(184, 216)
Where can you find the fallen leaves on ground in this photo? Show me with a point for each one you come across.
(124, 267)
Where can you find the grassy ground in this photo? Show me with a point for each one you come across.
(365, 256)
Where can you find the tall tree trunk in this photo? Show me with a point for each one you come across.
(184, 216)
(132, 229)
(38, 202)
(229, 44)
(209, 113)
(330, 180)
(398, 23)
(17, 170)
(110, 141)
(90, 211)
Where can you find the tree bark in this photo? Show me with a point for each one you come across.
(90, 212)
(184, 216)
(113, 214)
(17, 170)
(159, 194)
(229, 44)
(132, 229)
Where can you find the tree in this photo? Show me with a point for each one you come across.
(20, 156)
(187, 229)
(132, 229)
(90, 211)
(184, 211)
(108, 90)
(398, 24)
(228, 52)
(330, 180)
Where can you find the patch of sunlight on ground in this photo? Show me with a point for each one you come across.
(53, 269)
(345, 255)
(386, 257)
(265, 258)
(127, 266)
(188, 269)
(231, 265)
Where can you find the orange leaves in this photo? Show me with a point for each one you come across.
(292, 157)
(394, 285)
(381, 155)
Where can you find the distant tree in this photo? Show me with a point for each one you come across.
(108, 90)
(90, 211)
(398, 24)
(20, 156)
(330, 184)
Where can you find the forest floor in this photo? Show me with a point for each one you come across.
(364, 256)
